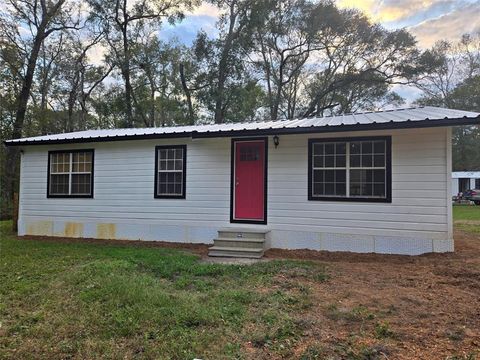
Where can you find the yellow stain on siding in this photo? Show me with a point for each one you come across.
(73, 230)
(44, 228)
(106, 231)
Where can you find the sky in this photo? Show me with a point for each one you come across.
(428, 20)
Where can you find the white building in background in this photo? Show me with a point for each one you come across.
(465, 180)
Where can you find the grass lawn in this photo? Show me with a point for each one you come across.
(77, 300)
(86, 300)
(467, 218)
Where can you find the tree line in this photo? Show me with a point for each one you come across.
(265, 59)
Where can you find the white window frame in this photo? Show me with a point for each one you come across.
(158, 171)
(69, 173)
(348, 169)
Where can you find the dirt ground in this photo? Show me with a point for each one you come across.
(384, 306)
(431, 302)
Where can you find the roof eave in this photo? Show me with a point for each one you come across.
(392, 125)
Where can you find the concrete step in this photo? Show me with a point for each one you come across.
(225, 251)
(242, 234)
(239, 243)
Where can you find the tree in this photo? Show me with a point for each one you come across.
(41, 19)
(453, 81)
(223, 67)
(358, 65)
(122, 21)
(284, 41)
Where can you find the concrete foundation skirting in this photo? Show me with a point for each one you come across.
(384, 244)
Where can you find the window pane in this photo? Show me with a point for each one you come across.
(378, 175)
(318, 149)
(364, 180)
(170, 171)
(162, 188)
(318, 189)
(340, 161)
(355, 147)
(367, 147)
(329, 188)
(340, 148)
(329, 161)
(318, 176)
(318, 161)
(178, 177)
(59, 184)
(60, 162)
(340, 176)
(367, 183)
(379, 147)
(81, 184)
(379, 189)
(355, 175)
(367, 189)
(329, 149)
(379, 160)
(178, 189)
(355, 188)
(329, 175)
(82, 162)
(162, 177)
(354, 160)
(367, 160)
(341, 189)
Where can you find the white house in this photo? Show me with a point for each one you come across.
(372, 182)
(465, 180)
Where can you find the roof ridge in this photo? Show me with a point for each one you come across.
(371, 120)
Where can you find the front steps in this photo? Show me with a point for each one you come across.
(239, 243)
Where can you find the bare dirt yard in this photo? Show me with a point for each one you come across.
(425, 307)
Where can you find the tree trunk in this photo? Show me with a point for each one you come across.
(126, 77)
(188, 95)
(278, 95)
(222, 68)
(22, 101)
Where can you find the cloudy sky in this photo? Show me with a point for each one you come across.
(428, 20)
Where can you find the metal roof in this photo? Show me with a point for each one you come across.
(466, 174)
(388, 119)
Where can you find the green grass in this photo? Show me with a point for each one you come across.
(467, 218)
(466, 212)
(88, 301)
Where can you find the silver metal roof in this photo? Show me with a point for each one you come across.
(388, 119)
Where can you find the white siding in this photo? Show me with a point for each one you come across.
(123, 206)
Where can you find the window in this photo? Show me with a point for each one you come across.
(477, 183)
(170, 174)
(70, 173)
(356, 169)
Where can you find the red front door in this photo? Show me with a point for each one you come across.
(249, 180)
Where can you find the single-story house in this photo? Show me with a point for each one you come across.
(370, 182)
(465, 180)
